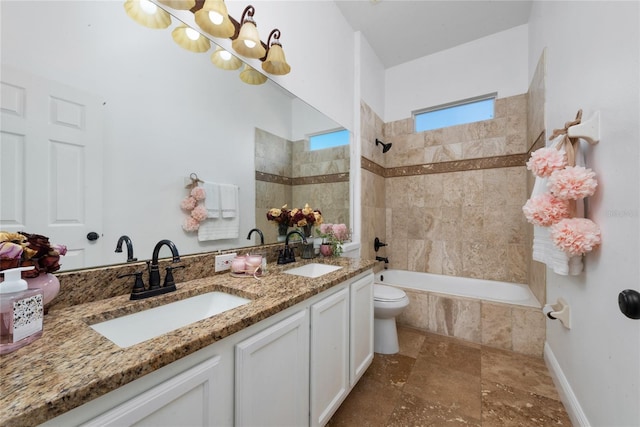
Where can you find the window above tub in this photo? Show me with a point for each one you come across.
(329, 139)
(455, 113)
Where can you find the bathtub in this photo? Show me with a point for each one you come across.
(487, 290)
(496, 314)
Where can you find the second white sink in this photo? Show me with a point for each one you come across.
(313, 270)
(135, 328)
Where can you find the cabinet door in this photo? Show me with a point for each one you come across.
(329, 355)
(272, 375)
(186, 399)
(361, 327)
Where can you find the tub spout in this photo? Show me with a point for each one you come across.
(385, 259)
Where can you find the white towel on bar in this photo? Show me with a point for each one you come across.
(229, 200)
(543, 248)
(219, 228)
(212, 199)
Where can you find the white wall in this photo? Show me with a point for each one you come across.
(592, 64)
(372, 77)
(493, 63)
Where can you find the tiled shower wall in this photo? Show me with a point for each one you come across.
(287, 172)
(453, 197)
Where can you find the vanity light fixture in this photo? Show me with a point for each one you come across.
(252, 76)
(190, 39)
(275, 63)
(146, 13)
(248, 42)
(385, 147)
(214, 19)
(179, 4)
(223, 59)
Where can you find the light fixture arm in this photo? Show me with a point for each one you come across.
(249, 10)
(275, 33)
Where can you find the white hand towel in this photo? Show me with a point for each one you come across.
(229, 200)
(543, 248)
(219, 228)
(212, 200)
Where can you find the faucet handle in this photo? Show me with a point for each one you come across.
(138, 284)
(168, 278)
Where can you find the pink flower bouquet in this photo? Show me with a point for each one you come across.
(545, 209)
(572, 183)
(576, 236)
(545, 161)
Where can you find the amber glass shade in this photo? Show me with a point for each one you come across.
(214, 19)
(248, 43)
(252, 76)
(223, 59)
(178, 4)
(276, 63)
(147, 13)
(190, 39)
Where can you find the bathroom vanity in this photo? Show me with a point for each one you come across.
(288, 357)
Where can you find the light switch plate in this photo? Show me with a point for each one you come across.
(223, 262)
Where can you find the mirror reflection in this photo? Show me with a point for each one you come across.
(124, 116)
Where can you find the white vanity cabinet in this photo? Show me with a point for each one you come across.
(272, 375)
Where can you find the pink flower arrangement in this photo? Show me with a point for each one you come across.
(572, 183)
(197, 212)
(545, 209)
(334, 235)
(576, 236)
(545, 161)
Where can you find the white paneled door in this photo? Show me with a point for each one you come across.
(51, 160)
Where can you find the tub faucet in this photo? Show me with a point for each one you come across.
(127, 241)
(257, 230)
(385, 259)
(286, 255)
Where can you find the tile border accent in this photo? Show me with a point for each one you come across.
(305, 180)
(505, 161)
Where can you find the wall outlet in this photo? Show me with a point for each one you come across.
(223, 262)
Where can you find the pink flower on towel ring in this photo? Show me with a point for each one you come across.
(190, 224)
(576, 236)
(545, 161)
(572, 183)
(544, 210)
(198, 193)
(199, 213)
(188, 203)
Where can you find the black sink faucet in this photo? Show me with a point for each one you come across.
(257, 230)
(125, 239)
(286, 255)
(154, 272)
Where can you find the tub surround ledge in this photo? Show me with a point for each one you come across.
(72, 364)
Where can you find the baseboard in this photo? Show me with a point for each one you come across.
(567, 396)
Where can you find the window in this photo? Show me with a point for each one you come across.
(329, 139)
(457, 113)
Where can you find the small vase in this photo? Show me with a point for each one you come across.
(306, 230)
(282, 231)
(48, 282)
(326, 249)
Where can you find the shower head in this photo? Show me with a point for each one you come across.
(385, 147)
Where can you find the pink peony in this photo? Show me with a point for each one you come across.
(188, 203)
(572, 182)
(341, 232)
(199, 213)
(198, 193)
(545, 161)
(576, 236)
(10, 250)
(190, 224)
(545, 209)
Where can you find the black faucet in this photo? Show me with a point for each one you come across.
(257, 230)
(126, 240)
(139, 291)
(385, 259)
(286, 255)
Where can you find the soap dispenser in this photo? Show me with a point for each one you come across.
(21, 311)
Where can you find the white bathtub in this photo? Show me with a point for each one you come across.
(486, 290)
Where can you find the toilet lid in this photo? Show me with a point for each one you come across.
(387, 293)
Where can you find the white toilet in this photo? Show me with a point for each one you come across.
(388, 302)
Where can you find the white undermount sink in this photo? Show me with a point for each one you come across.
(313, 270)
(135, 328)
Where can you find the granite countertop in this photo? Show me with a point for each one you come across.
(72, 364)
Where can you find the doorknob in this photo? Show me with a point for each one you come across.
(629, 303)
(93, 236)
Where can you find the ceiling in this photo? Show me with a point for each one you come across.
(400, 30)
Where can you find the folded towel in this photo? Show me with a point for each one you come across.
(543, 248)
(212, 201)
(229, 200)
(219, 228)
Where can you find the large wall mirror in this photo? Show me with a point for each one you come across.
(103, 121)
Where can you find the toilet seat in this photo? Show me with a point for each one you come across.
(387, 293)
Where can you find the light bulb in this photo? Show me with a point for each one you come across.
(148, 7)
(215, 17)
(225, 55)
(250, 44)
(192, 34)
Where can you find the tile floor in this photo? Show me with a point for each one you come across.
(438, 381)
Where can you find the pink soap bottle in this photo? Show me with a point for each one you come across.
(21, 311)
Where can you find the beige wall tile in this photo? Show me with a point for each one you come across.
(496, 325)
(529, 331)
